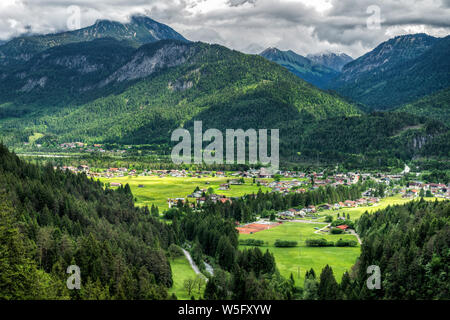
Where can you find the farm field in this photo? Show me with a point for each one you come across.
(289, 260)
(181, 270)
(156, 190)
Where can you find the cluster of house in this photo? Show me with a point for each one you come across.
(284, 186)
(84, 147)
(72, 145)
(318, 180)
(311, 210)
(439, 190)
(79, 169)
(261, 173)
(199, 199)
(300, 213)
(107, 173)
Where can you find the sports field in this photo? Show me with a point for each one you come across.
(301, 258)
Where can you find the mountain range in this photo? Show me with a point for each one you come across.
(139, 30)
(315, 73)
(134, 83)
(398, 71)
(106, 90)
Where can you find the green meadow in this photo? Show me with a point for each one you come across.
(355, 213)
(156, 190)
(150, 190)
(298, 260)
(181, 270)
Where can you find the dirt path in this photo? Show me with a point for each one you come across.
(356, 235)
(307, 221)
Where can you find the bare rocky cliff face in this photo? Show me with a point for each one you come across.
(79, 63)
(144, 64)
(88, 66)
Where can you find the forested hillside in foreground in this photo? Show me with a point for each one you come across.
(410, 244)
(52, 219)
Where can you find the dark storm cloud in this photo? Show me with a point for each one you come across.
(249, 25)
(445, 3)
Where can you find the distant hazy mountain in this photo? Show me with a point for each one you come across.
(140, 30)
(304, 68)
(331, 60)
(396, 72)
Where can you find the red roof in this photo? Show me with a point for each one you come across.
(343, 227)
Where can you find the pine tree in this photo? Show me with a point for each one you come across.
(328, 287)
(19, 278)
(310, 286)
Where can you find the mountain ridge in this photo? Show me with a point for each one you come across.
(139, 29)
(396, 72)
(301, 66)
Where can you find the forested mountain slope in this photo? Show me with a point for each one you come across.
(140, 97)
(111, 90)
(435, 106)
(410, 245)
(377, 139)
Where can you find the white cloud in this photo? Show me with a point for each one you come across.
(305, 26)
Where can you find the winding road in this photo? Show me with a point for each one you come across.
(193, 265)
(352, 232)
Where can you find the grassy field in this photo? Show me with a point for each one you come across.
(291, 260)
(295, 260)
(355, 213)
(32, 139)
(181, 270)
(156, 190)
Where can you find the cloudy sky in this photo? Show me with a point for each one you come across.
(305, 26)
